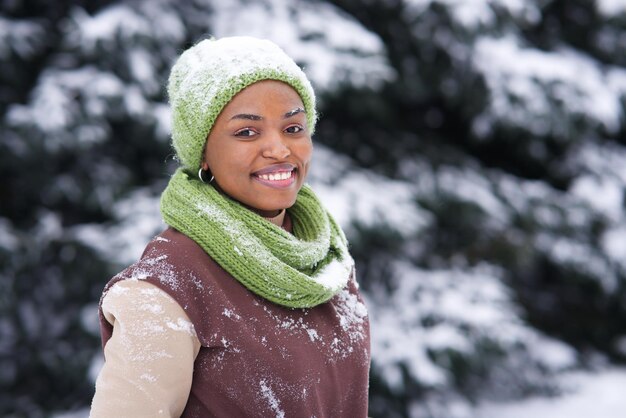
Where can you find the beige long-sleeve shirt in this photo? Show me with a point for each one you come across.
(149, 359)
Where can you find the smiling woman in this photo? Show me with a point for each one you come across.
(247, 304)
(259, 147)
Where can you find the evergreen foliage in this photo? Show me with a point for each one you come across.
(474, 151)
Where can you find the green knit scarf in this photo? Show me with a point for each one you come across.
(298, 271)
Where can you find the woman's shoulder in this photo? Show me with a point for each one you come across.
(172, 249)
(172, 243)
(169, 261)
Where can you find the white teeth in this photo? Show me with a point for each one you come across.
(276, 176)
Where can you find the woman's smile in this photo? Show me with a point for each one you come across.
(279, 176)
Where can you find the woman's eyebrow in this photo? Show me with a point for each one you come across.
(247, 116)
(294, 112)
(250, 116)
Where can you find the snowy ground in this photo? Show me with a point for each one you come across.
(592, 395)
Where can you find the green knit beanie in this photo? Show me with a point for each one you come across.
(209, 74)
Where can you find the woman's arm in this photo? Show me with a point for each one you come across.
(149, 359)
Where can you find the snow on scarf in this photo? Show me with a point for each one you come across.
(298, 271)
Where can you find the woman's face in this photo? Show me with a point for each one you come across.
(259, 147)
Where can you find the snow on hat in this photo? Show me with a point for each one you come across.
(209, 74)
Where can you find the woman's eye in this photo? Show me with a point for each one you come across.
(294, 129)
(246, 133)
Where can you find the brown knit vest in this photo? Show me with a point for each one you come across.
(259, 359)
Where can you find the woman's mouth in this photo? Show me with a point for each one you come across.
(279, 177)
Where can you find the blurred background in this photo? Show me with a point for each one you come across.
(474, 151)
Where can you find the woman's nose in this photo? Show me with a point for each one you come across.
(275, 146)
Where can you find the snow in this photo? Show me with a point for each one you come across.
(478, 14)
(461, 308)
(318, 36)
(123, 242)
(134, 102)
(351, 313)
(614, 244)
(142, 69)
(246, 242)
(604, 194)
(53, 106)
(600, 185)
(611, 8)
(270, 397)
(75, 105)
(157, 267)
(142, 339)
(8, 238)
(229, 313)
(582, 257)
(148, 378)
(359, 196)
(104, 26)
(89, 319)
(588, 394)
(524, 84)
(333, 276)
(312, 334)
(428, 312)
(163, 117)
(181, 325)
(445, 295)
(23, 37)
(81, 413)
(49, 227)
(203, 73)
(469, 185)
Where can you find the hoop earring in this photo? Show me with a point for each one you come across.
(201, 176)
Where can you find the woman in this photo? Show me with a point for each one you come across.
(246, 306)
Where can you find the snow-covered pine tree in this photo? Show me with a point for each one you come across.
(508, 119)
(476, 151)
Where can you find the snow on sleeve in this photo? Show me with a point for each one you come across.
(153, 311)
(149, 359)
